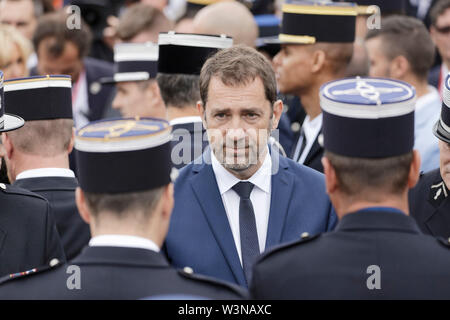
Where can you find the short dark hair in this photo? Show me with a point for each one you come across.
(408, 37)
(141, 17)
(371, 177)
(53, 25)
(123, 204)
(45, 138)
(438, 9)
(179, 90)
(238, 65)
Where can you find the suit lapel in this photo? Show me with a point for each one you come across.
(205, 188)
(315, 150)
(282, 187)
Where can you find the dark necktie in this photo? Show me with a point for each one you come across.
(247, 228)
(302, 148)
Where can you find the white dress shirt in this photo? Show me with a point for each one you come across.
(46, 172)
(311, 129)
(120, 240)
(260, 198)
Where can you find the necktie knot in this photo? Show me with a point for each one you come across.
(243, 189)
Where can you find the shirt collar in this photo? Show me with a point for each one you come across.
(182, 120)
(119, 240)
(427, 99)
(46, 172)
(225, 180)
(312, 127)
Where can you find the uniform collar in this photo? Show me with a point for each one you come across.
(438, 191)
(225, 180)
(378, 219)
(119, 240)
(46, 172)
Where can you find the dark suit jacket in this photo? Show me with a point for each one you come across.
(315, 154)
(60, 192)
(98, 100)
(28, 236)
(433, 76)
(341, 264)
(189, 141)
(429, 205)
(116, 273)
(200, 235)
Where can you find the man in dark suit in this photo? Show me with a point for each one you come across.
(28, 236)
(37, 155)
(62, 50)
(181, 57)
(311, 55)
(129, 214)
(376, 250)
(429, 200)
(241, 197)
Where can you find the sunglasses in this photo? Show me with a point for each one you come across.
(443, 29)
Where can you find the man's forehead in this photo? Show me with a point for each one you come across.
(16, 8)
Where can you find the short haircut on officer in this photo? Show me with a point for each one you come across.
(338, 55)
(122, 205)
(408, 37)
(45, 138)
(371, 177)
(179, 90)
(141, 18)
(238, 66)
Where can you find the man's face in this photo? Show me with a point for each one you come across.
(19, 14)
(440, 34)
(379, 64)
(444, 151)
(69, 62)
(292, 68)
(238, 120)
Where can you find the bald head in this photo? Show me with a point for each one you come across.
(229, 17)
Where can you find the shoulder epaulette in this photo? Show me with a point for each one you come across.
(304, 238)
(188, 273)
(444, 242)
(54, 263)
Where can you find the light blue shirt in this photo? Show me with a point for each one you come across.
(428, 110)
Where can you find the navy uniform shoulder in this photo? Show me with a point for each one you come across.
(188, 273)
(16, 191)
(427, 179)
(304, 238)
(444, 242)
(53, 265)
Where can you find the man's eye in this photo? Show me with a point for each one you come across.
(220, 115)
(252, 115)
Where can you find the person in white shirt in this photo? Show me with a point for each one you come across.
(394, 53)
(37, 155)
(310, 56)
(129, 214)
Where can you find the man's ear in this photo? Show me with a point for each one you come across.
(168, 201)
(414, 170)
(9, 147)
(399, 66)
(330, 176)
(202, 112)
(82, 206)
(277, 112)
(318, 60)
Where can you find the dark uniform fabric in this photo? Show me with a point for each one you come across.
(315, 154)
(188, 136)
(60, 192)
(116, 273)
(335, 265)
(429, 205)
(28, 236)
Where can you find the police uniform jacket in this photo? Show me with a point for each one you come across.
(429, 204)
(28, 236)
(60, 192)
(373, 248)
(115, 273)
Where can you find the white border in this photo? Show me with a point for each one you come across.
(37, 84)
(131, 76)
(195, 40)
(136, 52)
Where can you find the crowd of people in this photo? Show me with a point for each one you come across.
(224, 149)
